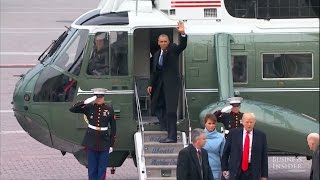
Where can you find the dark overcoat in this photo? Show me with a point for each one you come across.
(168, 77)
(188, 167)
(232, 154)
(314, 173)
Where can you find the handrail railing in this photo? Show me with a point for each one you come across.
(187, 109)
(141, 128)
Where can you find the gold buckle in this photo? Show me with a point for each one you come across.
(98, 128)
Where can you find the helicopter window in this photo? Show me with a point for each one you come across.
(273, 9)
(239, 68)
(53, 86)
(70, 59)
(114, 63)
(287, 65)
(119, 53)
(99, 60)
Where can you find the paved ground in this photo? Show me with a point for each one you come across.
(27, 28)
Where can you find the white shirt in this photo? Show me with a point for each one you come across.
(250, 144)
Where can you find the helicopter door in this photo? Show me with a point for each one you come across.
(200, 74)
(143, 60)
(106, 65)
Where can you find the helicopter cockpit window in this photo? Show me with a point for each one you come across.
(119, 53)
(109, 55)
(99, 60)
(54, 86)
(71, 57)
(239, 68)
(287, 65)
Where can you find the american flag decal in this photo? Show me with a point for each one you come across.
(195, 4)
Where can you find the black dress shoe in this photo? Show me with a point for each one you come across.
(167, 140)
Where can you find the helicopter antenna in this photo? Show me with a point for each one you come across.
(67, 28)
(136, 7)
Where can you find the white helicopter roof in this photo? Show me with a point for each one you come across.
(141, 14)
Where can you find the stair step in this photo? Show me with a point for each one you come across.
(161, 171)
(160, 148)
(161, 159)
(155, 136)
(159, 155)
(162, 178)
(161, 167)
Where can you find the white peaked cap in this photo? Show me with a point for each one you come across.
(99, 90)
(235, 100)
(101, 36)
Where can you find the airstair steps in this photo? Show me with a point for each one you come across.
(158, 148)
(160, 159)
(155, 136)
(161, 171)
(161, 178)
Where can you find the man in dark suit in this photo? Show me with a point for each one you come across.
(245, 155)
(165, 83)
(193, 161)
(313, 143)
(99, 138)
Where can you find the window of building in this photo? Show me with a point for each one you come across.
(239, 68)
(53, 86)
(273, 9)
(109, 55)
(295, 65)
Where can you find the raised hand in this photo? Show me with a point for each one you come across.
(227, 108)
(90, 99)
(180, 27)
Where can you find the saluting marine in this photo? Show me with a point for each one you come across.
(99, 139)
(232, 119)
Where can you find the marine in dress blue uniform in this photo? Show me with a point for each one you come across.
(100, 134)
(233, 118)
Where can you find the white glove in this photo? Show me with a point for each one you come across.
(227, 108)
(110, 150)
(226, 131)
(90, 100)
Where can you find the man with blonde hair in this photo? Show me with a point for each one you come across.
(313, 143)
(245, 155)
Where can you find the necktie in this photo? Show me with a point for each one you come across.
(199, 157)
(245, 153)
(200, 161)
(161, 58)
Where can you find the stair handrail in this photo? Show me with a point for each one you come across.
(141, 127)
(187, 108)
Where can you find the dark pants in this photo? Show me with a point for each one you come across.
(171, 118)
(97, 164)
(246, 175)
(161, 111)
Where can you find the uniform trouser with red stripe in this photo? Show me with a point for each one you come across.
(97, 164)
